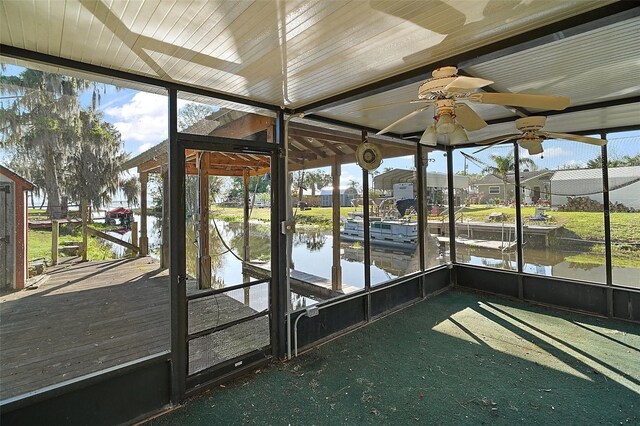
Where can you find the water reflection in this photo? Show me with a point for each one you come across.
(312, 253)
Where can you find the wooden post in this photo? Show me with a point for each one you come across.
(336, 269)
(246, 255)
(246, 252)
(55, 231)
(204, 277)
(134, 233)
(164, 247)
(144, 239)
(83, 214)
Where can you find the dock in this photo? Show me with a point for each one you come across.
(89, 316)
(301, 282)
(489, 230)
(486, 244)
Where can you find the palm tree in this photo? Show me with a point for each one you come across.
(505, 164)
(316, 180)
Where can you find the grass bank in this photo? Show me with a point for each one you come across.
(39, 242)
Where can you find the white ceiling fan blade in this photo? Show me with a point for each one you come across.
(414, 101)
(496, 141)
(522, 100)
(577, 138)
(401, 119)
(468, 118)
(467, 83)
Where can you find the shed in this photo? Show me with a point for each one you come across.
(347, 193)
(13, 229)
(624, 185)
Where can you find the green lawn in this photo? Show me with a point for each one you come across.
(317, 216)
(39, 242)
(625, 227)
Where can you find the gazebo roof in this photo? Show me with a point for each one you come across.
(310, 145)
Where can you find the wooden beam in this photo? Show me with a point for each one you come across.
(55, 231)
(153, 166)
(244, 126)
(299, 129)
(324, 135)
(229, 170)
(204, 276)
(246, 253)
(114, 240)
(331, 146)
(308, 145)
(336, 268)
(164, 246)
(144, 239)
(83, 215)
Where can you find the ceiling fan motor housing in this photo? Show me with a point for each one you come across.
(530, 123)
(441, 78)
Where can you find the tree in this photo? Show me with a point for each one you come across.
(192, 113)
(623, 161)
(505, 164)
(130, 188)
(257, 185)
(41, 125)
(94, 167)
(316, 180)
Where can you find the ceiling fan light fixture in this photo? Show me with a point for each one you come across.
(533, 146)
(458, 136)
(445, 124)
(429, 137)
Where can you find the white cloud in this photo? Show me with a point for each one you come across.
(143, 120)
(555, 152)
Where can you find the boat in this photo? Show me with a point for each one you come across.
(399, 234)
(120, 214)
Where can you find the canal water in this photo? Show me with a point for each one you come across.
(312, 254)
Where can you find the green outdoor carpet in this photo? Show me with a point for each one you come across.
(455, 359)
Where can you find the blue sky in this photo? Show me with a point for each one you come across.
(142, 121)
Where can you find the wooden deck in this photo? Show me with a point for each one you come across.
(90, 316)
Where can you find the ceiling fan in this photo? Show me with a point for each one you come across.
(531, 136)
(446, 90)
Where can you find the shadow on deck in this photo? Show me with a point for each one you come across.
(89, 316)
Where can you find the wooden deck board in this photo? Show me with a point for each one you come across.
(94, 315)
